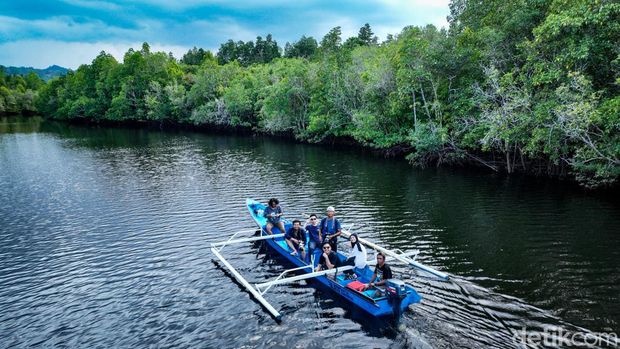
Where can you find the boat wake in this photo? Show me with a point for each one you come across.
(462, 314)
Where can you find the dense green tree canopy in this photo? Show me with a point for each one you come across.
(18, 93)
(196, 56)
(247, 53)
(306, 47)
(520, 86)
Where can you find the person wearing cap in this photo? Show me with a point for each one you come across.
(330, 228)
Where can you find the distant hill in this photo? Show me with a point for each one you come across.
(45, 74)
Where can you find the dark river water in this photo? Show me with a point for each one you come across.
(105, 236)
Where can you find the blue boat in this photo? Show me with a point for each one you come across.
(389, 302)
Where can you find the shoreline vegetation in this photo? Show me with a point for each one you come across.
(530, 86)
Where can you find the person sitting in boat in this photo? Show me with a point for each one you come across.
(273, 213)
(330, 228)
(312, 227)
(296, 239)
(381, 274)
(358, 255)
(328, 259)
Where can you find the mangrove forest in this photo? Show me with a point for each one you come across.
(527, 86)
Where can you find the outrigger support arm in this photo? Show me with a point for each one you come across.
(247, 285)
(279, 281)
(400, 257)
(236, 241)
(413, 253)
(281, 275)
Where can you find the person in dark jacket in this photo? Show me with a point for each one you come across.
(296, 239)
(328, 259)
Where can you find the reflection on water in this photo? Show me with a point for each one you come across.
(104, 237)
(16, 124)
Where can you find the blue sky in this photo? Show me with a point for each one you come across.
(72, 32)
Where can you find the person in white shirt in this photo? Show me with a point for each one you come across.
(358, 252)
(357, 257)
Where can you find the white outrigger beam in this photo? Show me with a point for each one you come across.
(258, 290)
(247, 286)
(402, 257)
(256, 238)
(255, 292)
(279, 281)
(236, 241)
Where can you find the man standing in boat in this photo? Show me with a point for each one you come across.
(330, 228)
(296, 239)
(312, 227)
(273, 213)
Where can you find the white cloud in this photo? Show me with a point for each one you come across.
(327, 21)
(94, 4)
(390, 17)
(43, 53)
(220, 29)
(415, 3)
(58, 28)
(63, 41)
(204, 33)
(190, 4)
(71, 41)
(418, 12)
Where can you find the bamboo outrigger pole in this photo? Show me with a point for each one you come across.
(248, 287)
(401, 258)
(256, 238)
(303, 276)
(241, 279)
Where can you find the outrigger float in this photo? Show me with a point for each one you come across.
(391, 301)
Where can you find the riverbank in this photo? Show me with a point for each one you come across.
(478, 166)
(484, 92)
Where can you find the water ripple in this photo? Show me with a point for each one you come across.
(104, 242)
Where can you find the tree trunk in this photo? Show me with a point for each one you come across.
(438, 116)
(508, 169)
(514, 157)
(428, 113)
(508, 162)
(415, 116)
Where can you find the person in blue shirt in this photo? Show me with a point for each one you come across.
(330, 228)
(273, 213)
(312, 227)
(296, 239)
